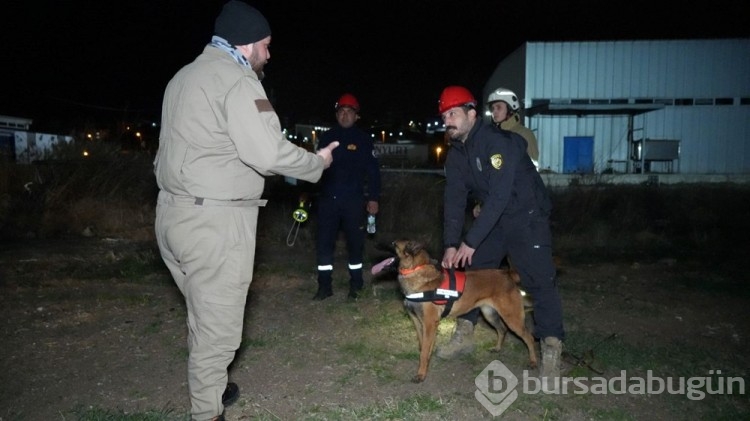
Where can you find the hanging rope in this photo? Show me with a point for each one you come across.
(292, 236)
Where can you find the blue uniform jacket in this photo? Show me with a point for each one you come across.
(353, 161)
(493, 167)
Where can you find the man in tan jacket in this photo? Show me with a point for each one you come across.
(220, 137)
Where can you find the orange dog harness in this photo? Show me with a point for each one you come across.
(450, 290)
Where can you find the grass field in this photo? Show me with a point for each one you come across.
(93, 327)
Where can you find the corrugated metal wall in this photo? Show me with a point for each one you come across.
(713, 138)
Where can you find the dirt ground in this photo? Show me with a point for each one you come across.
(97, 323)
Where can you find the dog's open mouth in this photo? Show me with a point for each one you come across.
(385, 264)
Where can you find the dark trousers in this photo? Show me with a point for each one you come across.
(335, 214)
(527, 240)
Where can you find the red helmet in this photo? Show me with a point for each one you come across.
(455, 96)
(348, 100)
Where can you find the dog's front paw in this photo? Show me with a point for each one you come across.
(419, 378)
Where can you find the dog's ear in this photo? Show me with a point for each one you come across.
(413, 247)
(514, 275)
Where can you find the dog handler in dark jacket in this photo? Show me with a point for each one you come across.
(341, 203)
(491, 165)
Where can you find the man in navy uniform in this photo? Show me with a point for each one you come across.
(492, 165)
(342, 202)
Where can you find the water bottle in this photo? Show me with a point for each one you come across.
(371, 224)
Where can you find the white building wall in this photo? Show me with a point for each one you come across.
(713, 138)
(609, 133)
(30, 146)
(638, 69)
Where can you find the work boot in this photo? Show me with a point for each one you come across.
(231, 394)
(461, 343)
(323, 293)
(354, 292)
(356, 282)
(551, 359)
(355, 286)
(325, 289)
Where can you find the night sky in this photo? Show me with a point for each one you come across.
(67, 63)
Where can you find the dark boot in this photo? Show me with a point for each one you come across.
(325, 289)
(354, 292)
(356, 282)
(231, 394)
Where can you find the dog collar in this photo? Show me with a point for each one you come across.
(412, 270)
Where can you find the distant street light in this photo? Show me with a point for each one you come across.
(438, 150)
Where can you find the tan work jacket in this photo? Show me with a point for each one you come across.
(220, 135)
(514, 124)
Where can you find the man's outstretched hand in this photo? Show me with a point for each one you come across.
(325, 153)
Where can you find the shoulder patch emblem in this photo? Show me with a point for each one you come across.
(497, 161)
(351, 147)
(263, 105)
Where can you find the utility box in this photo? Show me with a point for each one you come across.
(656, 155)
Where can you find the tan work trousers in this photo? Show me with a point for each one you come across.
(210, 252)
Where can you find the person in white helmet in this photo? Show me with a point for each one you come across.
(505, 108)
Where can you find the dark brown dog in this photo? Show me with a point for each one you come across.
(494, 291)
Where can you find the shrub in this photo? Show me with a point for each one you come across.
(115, 195)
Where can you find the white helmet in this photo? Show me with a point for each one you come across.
(505, 95)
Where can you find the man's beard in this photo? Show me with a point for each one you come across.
(452, 132)
(259, 71)
(257, 65)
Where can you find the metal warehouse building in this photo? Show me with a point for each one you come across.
(650, 106)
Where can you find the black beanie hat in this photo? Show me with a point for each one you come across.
(241, 24)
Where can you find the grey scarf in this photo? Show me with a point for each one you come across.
(222, 44)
